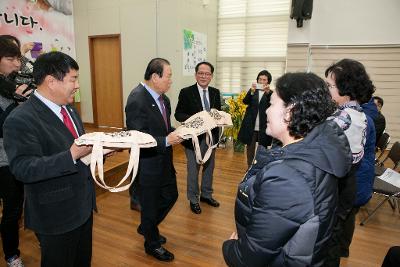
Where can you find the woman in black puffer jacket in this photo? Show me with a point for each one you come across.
(286, 203)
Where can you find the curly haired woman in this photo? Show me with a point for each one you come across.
(285, 205)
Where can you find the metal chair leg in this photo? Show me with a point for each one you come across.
(365, 220)
(392, 203)
(398, 205)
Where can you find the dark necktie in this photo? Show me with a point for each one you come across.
(164, 113)
(68, 123)
(205, 100)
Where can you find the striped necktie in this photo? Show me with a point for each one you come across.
(205, 100)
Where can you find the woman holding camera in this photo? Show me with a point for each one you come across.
(285, 205)
(253, 126)
(11, 191)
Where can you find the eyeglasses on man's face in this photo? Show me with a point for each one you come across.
(206, 74)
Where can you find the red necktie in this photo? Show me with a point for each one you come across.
(68, 123)
(164, 113)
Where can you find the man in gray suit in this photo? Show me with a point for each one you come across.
(193, 99)
(39, 142)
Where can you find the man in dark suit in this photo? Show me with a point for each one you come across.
(148, 110)
(193, 99)
(254, 122)
(39, 141)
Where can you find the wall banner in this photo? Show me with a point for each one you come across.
(49, 22)
(194, 50)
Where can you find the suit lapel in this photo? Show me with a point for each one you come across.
(196, 97)
(77, 121)
(212, 94)
(48, 116)
(153, 106)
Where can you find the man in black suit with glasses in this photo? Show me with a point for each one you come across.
(195, 98)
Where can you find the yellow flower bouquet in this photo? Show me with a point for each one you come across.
(236, 108)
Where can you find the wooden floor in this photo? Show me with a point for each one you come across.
(196, 239)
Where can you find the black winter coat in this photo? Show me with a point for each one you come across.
(254, 107)
(285, 206)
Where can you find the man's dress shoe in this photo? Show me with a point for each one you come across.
(210, 201)
(195, 207)
(160, 254)
(162, 239)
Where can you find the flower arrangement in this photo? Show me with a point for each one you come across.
(236, 108)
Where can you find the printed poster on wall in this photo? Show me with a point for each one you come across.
(48, 23)
(194, 50)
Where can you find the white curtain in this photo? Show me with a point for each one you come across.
(252, 36)
(381, 62)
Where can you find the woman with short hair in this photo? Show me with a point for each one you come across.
(253, 126)
(286, 202)
(351, 87)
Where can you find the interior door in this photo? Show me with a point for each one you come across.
(105, 64)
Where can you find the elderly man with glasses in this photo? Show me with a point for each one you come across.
(195, 98)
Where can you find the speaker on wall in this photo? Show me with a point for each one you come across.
(301, 10)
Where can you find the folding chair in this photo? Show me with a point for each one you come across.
(393, 155)
(390, 192)
(382, 145)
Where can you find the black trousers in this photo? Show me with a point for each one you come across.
(345, 216)
(12, 195)
(71, 249)
(392, 258)
(134, 192)
(251, 148)
(156, 202)
(348, 231)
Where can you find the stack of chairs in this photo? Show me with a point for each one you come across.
(389, 191)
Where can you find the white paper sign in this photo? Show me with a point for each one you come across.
(392, 177)
(194, 50)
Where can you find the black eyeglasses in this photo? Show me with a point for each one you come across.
(207, 74)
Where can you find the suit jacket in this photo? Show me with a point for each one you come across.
(59, 195)
(254, 107)
(142, 114)
(189, 103)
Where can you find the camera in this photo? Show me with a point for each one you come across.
(259, 86)
(9, 84)
(20, 78)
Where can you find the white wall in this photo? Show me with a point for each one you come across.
(174, 16)
(350, 22)
(148, 29)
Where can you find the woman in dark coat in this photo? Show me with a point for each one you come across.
(286, 203)
(253, 126)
